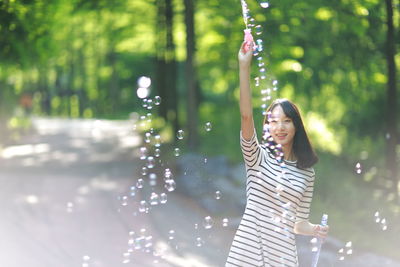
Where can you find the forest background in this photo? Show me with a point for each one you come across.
(336, 59)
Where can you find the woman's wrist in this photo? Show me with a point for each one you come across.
(244, 67)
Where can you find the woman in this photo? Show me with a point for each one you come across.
(280, 181)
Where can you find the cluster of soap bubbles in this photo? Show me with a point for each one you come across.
(141, 241)
(380, 221)
(346, 251)
(261, 80)
(146, 194)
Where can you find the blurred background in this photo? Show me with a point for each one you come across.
(73, 120)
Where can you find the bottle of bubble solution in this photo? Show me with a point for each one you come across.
(324, 222)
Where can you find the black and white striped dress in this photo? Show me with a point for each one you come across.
(278, 195)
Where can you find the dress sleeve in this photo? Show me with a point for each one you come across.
(251, 150)
(303, 209)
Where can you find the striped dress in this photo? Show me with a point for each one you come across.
(278, 195)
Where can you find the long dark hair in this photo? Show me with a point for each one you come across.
(302, 148)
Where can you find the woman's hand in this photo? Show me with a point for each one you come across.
(307, 228)
(320, 231)
(245, 54)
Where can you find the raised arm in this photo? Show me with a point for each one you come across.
(246, 107)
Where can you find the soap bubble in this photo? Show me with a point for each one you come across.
(153, 179)
(139, 183)
(157, 152)
(157, 140)
(208, 126)
(218, 194)
(147, 137)
(358, 168)
(259, 44)
(153, 199)
(199, 242)
(251, 23)
(148, 241)
(150, 162)
(143, 153)
(149, 104)
(177, 152)
(157, 100)
(143, 206)
(167, 174)
(208, 222)
(258, 29)
(274, 85)
(163, 198)
(264, 4)
(144, 82)
(142, 92)
(144, 104)
(124, 201)
(180, 134)
(149, 117)
(170, 185)
(70, 207)
(171, 234)
(144, 170)
(225, 222)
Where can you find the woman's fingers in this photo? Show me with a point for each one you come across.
(321, 231)
(246, 47)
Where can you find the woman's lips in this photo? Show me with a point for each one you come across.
(281, 136)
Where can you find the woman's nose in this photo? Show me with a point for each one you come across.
(281, 125)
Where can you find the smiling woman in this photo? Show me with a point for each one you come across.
(279, 182)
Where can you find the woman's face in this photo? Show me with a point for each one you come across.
(281, 127)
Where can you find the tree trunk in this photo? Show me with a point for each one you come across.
(160, 79)
(171, 67)
(190, 73)
(392, 140)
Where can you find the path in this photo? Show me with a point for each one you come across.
(60, 197)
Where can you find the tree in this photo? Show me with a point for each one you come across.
(191, 77)
(392, 134)
(166, 74)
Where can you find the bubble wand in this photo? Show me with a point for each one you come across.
(248, 38)
(314, 263)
